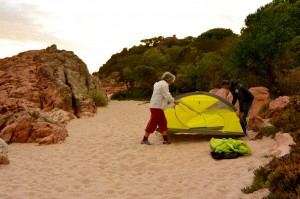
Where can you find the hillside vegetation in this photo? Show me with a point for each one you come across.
(266, 53)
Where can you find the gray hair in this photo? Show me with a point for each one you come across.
(167, 76)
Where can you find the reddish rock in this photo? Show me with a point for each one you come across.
(112, 85)
(282, 144)
(87, 108)
(29, 127)
(52, 83)
(57, 116)
(19, 124)
(47, 133)
(279, 102)
(261, 97)
(255, 123)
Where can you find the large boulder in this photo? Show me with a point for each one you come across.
(54, 84)
(23, 127)
(261, 97)
(282, 144)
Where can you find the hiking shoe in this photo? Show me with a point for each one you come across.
(166, 142)
(146, 142)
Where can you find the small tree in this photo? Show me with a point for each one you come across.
(127, 76)
(154, 58)
(144, 76)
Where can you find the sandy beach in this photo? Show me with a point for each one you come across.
(103, 158)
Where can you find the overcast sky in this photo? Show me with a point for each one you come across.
(96, 29)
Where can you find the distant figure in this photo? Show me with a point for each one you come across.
(245, 98)
(158, 102)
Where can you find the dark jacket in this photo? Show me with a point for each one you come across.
(240, 93)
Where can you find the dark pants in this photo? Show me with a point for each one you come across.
(243, 121)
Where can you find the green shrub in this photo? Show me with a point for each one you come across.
(282, 175)
(259, 181)
(268, 131)
(289, 82)
(133, 94)
(296, 136)
(287, 119)
(121, 95)
(100, 100)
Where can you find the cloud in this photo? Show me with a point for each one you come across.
(19, 25)
(16, 23)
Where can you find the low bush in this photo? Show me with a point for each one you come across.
(133, 94)
(269, 131)
(281, 175)
(287, 119)
(100, 100)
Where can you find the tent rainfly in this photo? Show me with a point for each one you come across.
(203, 113)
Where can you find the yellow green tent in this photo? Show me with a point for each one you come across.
(203, 113)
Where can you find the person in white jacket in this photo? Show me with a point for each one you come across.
(160, 98)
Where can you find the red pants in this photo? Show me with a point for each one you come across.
(157, 118)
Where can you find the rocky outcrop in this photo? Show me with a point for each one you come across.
(112, 85)
(261, 97)
(40, 91)
(34, 126)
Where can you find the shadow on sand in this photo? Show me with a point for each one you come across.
(183, 137)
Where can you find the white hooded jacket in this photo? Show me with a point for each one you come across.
(161, 95)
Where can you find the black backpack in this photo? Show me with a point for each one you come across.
(224, 155)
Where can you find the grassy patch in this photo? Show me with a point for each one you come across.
(99, 99)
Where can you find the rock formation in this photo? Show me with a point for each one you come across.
(40, 91)
(261, 97)
(112, 85)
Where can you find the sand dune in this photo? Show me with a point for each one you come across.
(103, 158)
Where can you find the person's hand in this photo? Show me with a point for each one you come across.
(241, 114)
(176, 102)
